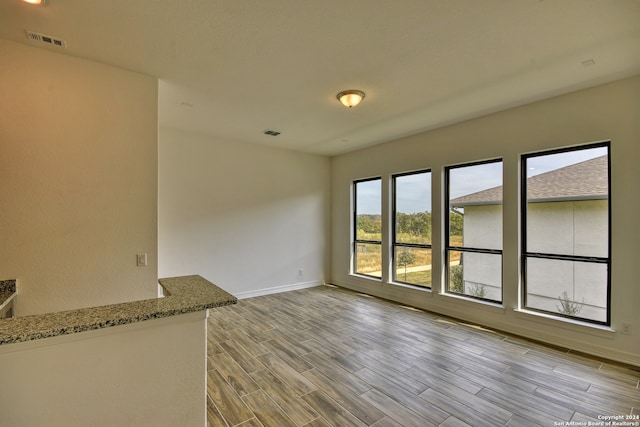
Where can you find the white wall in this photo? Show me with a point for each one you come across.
(610, 111)
(78, 180)
(150, 373)
(572, 228)
(246, 217)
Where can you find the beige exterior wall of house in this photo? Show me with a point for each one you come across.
(567, 228)
(482, 272)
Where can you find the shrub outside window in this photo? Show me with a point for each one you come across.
(566, 232)
(412, 228)
(474, 230)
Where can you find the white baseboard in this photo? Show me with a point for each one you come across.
(278, 289)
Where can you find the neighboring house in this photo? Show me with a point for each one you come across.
(567, 214)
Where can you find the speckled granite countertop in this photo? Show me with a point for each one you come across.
(184, 294)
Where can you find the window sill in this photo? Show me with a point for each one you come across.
(365, 277)
(575, 325)
(412, 287)
(473, 301)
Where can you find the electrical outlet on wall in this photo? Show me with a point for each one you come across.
(626, 329)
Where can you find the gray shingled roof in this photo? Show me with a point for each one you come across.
(586, 180)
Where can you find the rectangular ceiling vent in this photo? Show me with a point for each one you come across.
(271, 132)
(53, 41)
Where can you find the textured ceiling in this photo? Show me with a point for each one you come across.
(233, 68)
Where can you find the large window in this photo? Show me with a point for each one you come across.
(474, 230)
(565, 232)
(412, 228)
(367, 220)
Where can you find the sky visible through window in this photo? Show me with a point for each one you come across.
(471, 179)
(468, 180)
(369, 198)
(546, 163)
(413, 193)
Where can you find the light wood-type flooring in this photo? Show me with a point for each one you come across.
(326, 356)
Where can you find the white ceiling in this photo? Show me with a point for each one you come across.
(234, 68)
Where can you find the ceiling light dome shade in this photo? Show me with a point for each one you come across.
(350, 98)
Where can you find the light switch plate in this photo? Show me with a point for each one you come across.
(141, 260)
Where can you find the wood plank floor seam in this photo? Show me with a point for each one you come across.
(327, 356)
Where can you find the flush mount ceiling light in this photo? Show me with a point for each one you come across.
(36, 2)
(350, 98)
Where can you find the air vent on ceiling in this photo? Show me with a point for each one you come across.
(53, 41)
(271, 132)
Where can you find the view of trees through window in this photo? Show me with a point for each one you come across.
(412, 228)
(565, 230)
(368, 227)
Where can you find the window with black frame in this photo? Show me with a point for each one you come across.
(566, 232)
(473, 237)
(412, 228)
(367, 227)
